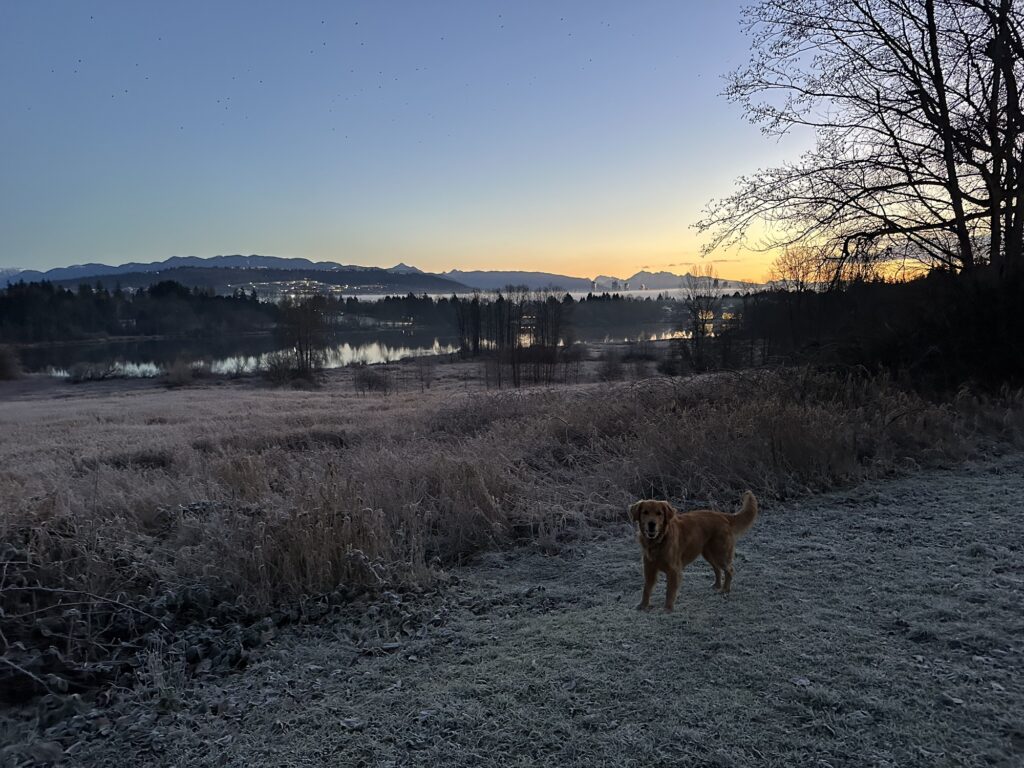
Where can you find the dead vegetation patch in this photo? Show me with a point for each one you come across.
(260, 502)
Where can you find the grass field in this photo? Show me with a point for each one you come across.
(875, 626)
(132, 514)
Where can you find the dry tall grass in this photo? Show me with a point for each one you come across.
(125, 517)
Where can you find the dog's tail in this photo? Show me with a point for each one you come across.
(745, 518)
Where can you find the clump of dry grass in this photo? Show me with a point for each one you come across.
(187, 507)
(371, 378)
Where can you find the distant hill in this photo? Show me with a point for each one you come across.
(490, 280)
(225, 280)
(83, 271)
(223, 273)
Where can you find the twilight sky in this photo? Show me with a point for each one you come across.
(579, 137)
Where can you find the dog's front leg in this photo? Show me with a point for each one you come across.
(650, 577)
(672, 579)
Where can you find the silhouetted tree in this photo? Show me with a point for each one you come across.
(916, 106)
(303, 327)
(699, 309)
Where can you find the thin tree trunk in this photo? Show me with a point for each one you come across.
(946, 132)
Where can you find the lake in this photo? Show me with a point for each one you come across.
(244, 354)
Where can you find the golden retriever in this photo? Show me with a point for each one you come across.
(671, 541)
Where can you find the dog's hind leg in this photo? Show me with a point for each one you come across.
(718, 577)
(727, 586)
(716, 555)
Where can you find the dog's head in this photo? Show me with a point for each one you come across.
(652, 517)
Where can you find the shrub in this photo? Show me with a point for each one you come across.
(10, 366)
(84, 372)
(676, 362)
(180, 374)
(425, 371)
(278, 367)
(639, 368)
(642, 349)
(371, 378)
(611, 368)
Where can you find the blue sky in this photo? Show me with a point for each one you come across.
(577, 137)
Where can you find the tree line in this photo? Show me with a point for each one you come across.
(522, 336)
(522, 332)
(43, 312)
(935, 332)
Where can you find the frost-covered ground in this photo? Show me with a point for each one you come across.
(878, 626)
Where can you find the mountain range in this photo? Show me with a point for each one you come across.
(224, 273)
(84, 271)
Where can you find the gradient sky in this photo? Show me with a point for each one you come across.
(577, 137)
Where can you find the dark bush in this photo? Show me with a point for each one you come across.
(611, 368)
(10, 366)
(370, 378)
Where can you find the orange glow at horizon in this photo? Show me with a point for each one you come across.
(619, 260)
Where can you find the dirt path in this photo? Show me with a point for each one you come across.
(881, 626)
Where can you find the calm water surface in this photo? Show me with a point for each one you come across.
(240, 354)
(245, 354)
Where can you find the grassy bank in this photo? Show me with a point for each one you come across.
(130, 519)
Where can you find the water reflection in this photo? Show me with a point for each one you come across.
(149, 358)
(338, 356)
(117, 369)
(240, 355)
(612, 338)
(378, 352)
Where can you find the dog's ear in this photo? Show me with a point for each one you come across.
(668, 510)
(634, 511)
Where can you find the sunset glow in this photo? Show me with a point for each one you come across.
(572, 137)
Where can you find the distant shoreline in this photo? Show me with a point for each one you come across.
(183, 336)
(120, 339)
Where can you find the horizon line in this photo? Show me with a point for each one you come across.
(649, 269)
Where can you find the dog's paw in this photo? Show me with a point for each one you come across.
(668, 609)
(642, 607)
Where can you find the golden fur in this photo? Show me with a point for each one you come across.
(670, 541)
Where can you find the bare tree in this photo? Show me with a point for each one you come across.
(521, 333)
(701, 302)
(547, 325)
(796, 269)
(425, 372)
(303, 327)
(916, 107)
